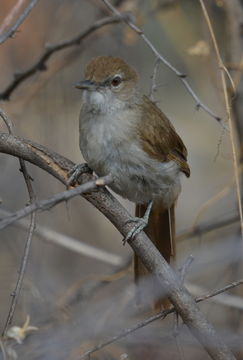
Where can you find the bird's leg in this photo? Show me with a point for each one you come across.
(141, 223)
(76, 171)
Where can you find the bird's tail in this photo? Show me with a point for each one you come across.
(161, 231)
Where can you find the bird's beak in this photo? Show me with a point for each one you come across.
(86, 85)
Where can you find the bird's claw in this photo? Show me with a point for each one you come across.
(141, 223)
(75, 173)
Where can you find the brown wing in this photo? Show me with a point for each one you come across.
(163, 143)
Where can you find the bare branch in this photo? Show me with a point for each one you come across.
(70, 243)
(3, 350)
(40, 64)
(10, 32)
(161, 315)
(47, 204)
(7, 121)
(180, 75)
(183, 302)
(184, 269)
(206, 228)
(16, 292)
(227, 300)
(224, 73)
(24, 260)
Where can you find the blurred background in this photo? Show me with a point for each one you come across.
(72, 298)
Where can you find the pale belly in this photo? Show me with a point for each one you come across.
(110, 145)
(137, 177)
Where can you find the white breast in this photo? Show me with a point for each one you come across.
(109, 144)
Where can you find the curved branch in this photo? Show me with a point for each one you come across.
(183, 302)
(40, 64)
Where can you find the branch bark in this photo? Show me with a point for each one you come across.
(183, 302)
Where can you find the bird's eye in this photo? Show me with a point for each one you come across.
(116, 81)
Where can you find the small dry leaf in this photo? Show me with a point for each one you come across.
(19, 333)
(201, 48)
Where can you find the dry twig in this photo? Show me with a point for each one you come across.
(161, 315)
(40, 64)
(10, 32)
(24, 260)
(224, 72)
(180, 75)
(199, 230)
(47, 204)
(70, 243)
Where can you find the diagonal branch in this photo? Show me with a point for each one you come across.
(10, 32)
(180, 75)
(40, 64)
(161, 315)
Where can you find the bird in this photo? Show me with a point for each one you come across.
(125, 134)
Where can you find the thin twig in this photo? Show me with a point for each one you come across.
(40, 64)
(3, 350)
(47, 204)
(27, 178)
(161, 315)
(7, 121)
(10, 32)
(16, 292)
(184, 268)
(224, 72)
(180, 75)
(206, 228)
(70, 243)
(224, 299)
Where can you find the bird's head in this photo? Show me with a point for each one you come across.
(108, 79)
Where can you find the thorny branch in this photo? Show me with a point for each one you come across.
(40, 64)
(10, 32)
(161, 315)
(27, 178)
(180, 75)
(183, 302)
(47, 204)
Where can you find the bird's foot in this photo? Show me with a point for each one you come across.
(140, 224)
(75, 173)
